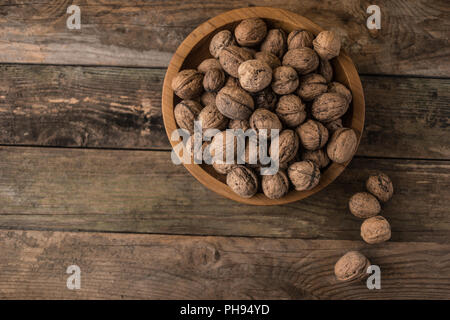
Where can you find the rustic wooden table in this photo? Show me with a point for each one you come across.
(86, 176)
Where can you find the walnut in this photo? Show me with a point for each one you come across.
(251, 51)
(311, 86)
(187, 84)
(285, 80)
(244, 125)
(291, 110)
(251, 155)
(313, 134)
(329, 106)
(325, 69)
(342, 145)
(375, 230)
(275, 42)
(299, 39)
(332, 126)
(209, 64)
(304, 60)
(266, 99)
(320, 157)
(185, 113)
(364, 205)
(264, 119)
(223, 147)
(234, 103)
(254, 75)
(250, 32)
(327, 45)
(337, 87)
(304, 175)
(232, 82)
(221, 40)
(231, 57)
(275, 186)
(272, 60)
(380, 185)
(243, 181)
(223, 168)
(208, 98)
(190, 148)
(211, 118)
(213, 80)
(288, 145)
(351, 266)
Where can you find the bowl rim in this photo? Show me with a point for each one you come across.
(210, 26)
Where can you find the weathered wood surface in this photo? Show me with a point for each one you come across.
(413, 38)
(121, 108)
(143, 191)
(124, 266)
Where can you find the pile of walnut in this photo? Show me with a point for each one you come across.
(263, 79)
(375, 228)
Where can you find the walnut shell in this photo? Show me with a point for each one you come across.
(243, 181)
(337, 87)
(375, 230)
(275, 186)
(272, 60)
(233, 82)
(221, 40)
(213, 80)
(332, 126)
(291, 110)
(351, 266)
(254, 75)
(342, 145)
(327, 45)
(304, 60)
(190, 148)
(231, 57)
(311, 86)
(329, 106)
(266, 99)
(325, 69)
(288, 144)
(300, 39)
(209, 64)
(211, 118)
(364, 205)
(264, 119)
(234, 103)
(185, 113)
(285, 80)
(250, 32)
(223, 147)
(244, 125)
(223, 168)
(380, 185)
(304, 175)
(320, 157)
(187, 84)
(275, 42)
(208, 98)
(313, 134)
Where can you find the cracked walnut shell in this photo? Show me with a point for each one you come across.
(375, 230)
(351, 266)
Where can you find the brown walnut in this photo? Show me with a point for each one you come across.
(243, 181)
(275, 186)
(250, 32)
(266, 99)
(313, 134)
(213, 80)
(304, 175)
(375, 230)
(329, 106)
(223, 168)
(211, 118)
(337, 87)
(232, 82)
(231, 57)
(221, 40)
(185, 113)
(264, 119)
(244, 125)
(291, 110)
(351, 266)
(285, 80)
(223, 147)
(320, 157)
(342, 145)
(288, 144)
(326, 70)
(327, 45)
(300, 39)
(272, 60)
(275, 42)
(208, 98)
(311, 86)
(187, 84)
(332, 126)
(209, 64)
(234, 103)
(304, 60)
(364, 205)
(254, 75)
(380, 185)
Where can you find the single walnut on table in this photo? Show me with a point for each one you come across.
(364, 205)
(351, 266)
(375, 230)
(380, 185)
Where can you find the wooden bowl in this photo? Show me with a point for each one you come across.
(195, 48)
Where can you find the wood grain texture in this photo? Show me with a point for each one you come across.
(121, 108)
(413, 38)
(142, 191)
(122, 266)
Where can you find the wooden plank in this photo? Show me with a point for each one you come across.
(413, 38)
(121, 108)
(127, 266)
(143, 191)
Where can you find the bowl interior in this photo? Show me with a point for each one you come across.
(195, 49)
